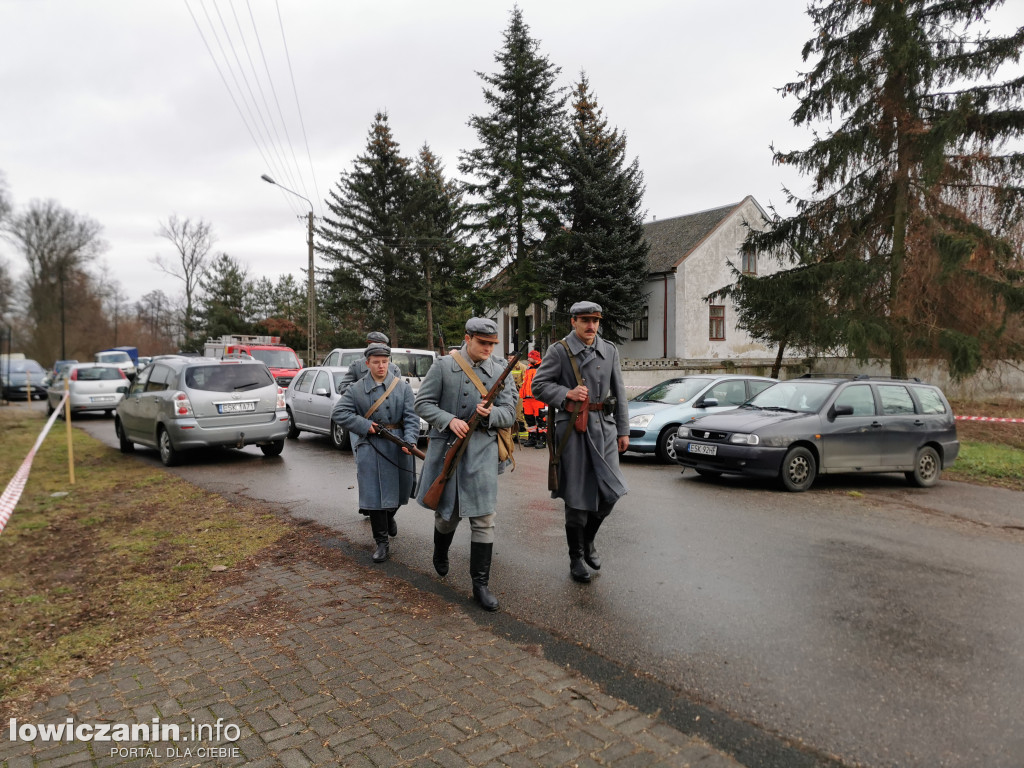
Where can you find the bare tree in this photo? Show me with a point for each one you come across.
(57, 245)
(194, 241)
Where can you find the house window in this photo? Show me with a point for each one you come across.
(749, 263)
(717, 322)
(640, 326)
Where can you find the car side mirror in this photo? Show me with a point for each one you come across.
(842, 410)
(322, 392)
(123, 390)
(708, 402)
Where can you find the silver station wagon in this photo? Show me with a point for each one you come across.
(178, 403)
(800, 428)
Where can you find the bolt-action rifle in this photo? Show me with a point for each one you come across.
(387, 434)
(454, 454)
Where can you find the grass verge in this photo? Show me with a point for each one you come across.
(90, 566)
(988, 464)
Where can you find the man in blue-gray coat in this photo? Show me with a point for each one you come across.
(384, 470)
(447, 400)
(580, 376)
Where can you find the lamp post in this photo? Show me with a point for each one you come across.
(311, 350)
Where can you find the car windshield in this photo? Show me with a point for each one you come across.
(227, 377)
(672, 391)
(113, 357)
(804, 396)
(276, 358)
(350, 357)
(98, 374)
(412, 364)
(25, 366)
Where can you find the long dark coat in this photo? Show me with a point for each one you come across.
(447, 393)
(589, 473)
(385, 475)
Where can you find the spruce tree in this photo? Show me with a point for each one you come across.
(446, 265)
(516, 166)
(601, 253)
(223, 302)
(367, 229)
(925, 130)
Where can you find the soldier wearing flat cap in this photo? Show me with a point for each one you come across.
(384, 470)
(359, 369)
(447, 400)
(580, 376)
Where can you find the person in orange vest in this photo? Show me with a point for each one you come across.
(532, 407)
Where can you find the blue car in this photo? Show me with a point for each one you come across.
(655, 414)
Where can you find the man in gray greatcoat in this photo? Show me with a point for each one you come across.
(359, 368)
(384, 470)
(591, 429)
(447, 400)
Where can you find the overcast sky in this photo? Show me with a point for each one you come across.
(117, 110)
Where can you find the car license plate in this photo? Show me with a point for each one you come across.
(246, 407)
(707, 450)
(102, 399)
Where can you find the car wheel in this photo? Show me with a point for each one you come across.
(666, 448)
(126, 445)
(272, 449)
(168, 455)
(339, 436)
(708, 472)
(927, 468)
(798, 469)
(293, 431)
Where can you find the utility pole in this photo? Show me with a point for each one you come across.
(311, 292)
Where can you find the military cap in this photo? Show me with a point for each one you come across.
(483, 328)
(376, 349)
(585, 309)
(376, 337)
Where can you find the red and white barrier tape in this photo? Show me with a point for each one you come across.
(990, 418)
(9, 499)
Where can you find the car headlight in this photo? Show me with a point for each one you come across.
(641, 421)
(744, 439)
(683, 432)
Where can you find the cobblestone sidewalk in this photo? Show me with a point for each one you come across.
(308, 665)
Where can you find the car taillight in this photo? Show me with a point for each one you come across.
(74, 375)
(182, 405)
(280, 399)
(122, 374)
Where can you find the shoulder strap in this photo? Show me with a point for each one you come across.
(468, 370)
(572, 359)
(382, 398)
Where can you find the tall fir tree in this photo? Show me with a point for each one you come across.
(601, 253)
(518, 185)
(367, 229)
(223, 302)
(446, 264)
(924, 129)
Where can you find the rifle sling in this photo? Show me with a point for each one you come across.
(557, 457)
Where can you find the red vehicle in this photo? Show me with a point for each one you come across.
(282, 361)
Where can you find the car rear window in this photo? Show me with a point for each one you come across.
(227, 378)
(931, 400)
(412, 364)
(98, 374)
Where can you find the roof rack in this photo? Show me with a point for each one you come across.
(859, 377)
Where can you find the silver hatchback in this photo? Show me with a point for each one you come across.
(90, 387)
(178, 403)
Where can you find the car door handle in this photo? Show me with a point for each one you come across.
(918, 423)
(876, 424)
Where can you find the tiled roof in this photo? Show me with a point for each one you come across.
(671, 240)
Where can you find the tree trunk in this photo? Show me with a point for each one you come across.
(777, 368)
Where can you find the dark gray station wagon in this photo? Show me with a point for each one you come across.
(798, 429)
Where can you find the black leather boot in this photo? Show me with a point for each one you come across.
(531, 441)
(480, 572)
(590, 555)
(542, 442)
(574, 538)
(442, 542)
(392, 525)
(379, 526)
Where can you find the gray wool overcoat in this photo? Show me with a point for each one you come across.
(385, 475)
(447, 393)
(589, 476)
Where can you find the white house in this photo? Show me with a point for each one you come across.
(689, 258)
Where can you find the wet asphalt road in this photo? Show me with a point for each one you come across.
(865, 619)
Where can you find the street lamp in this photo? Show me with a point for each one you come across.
(311, 350)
